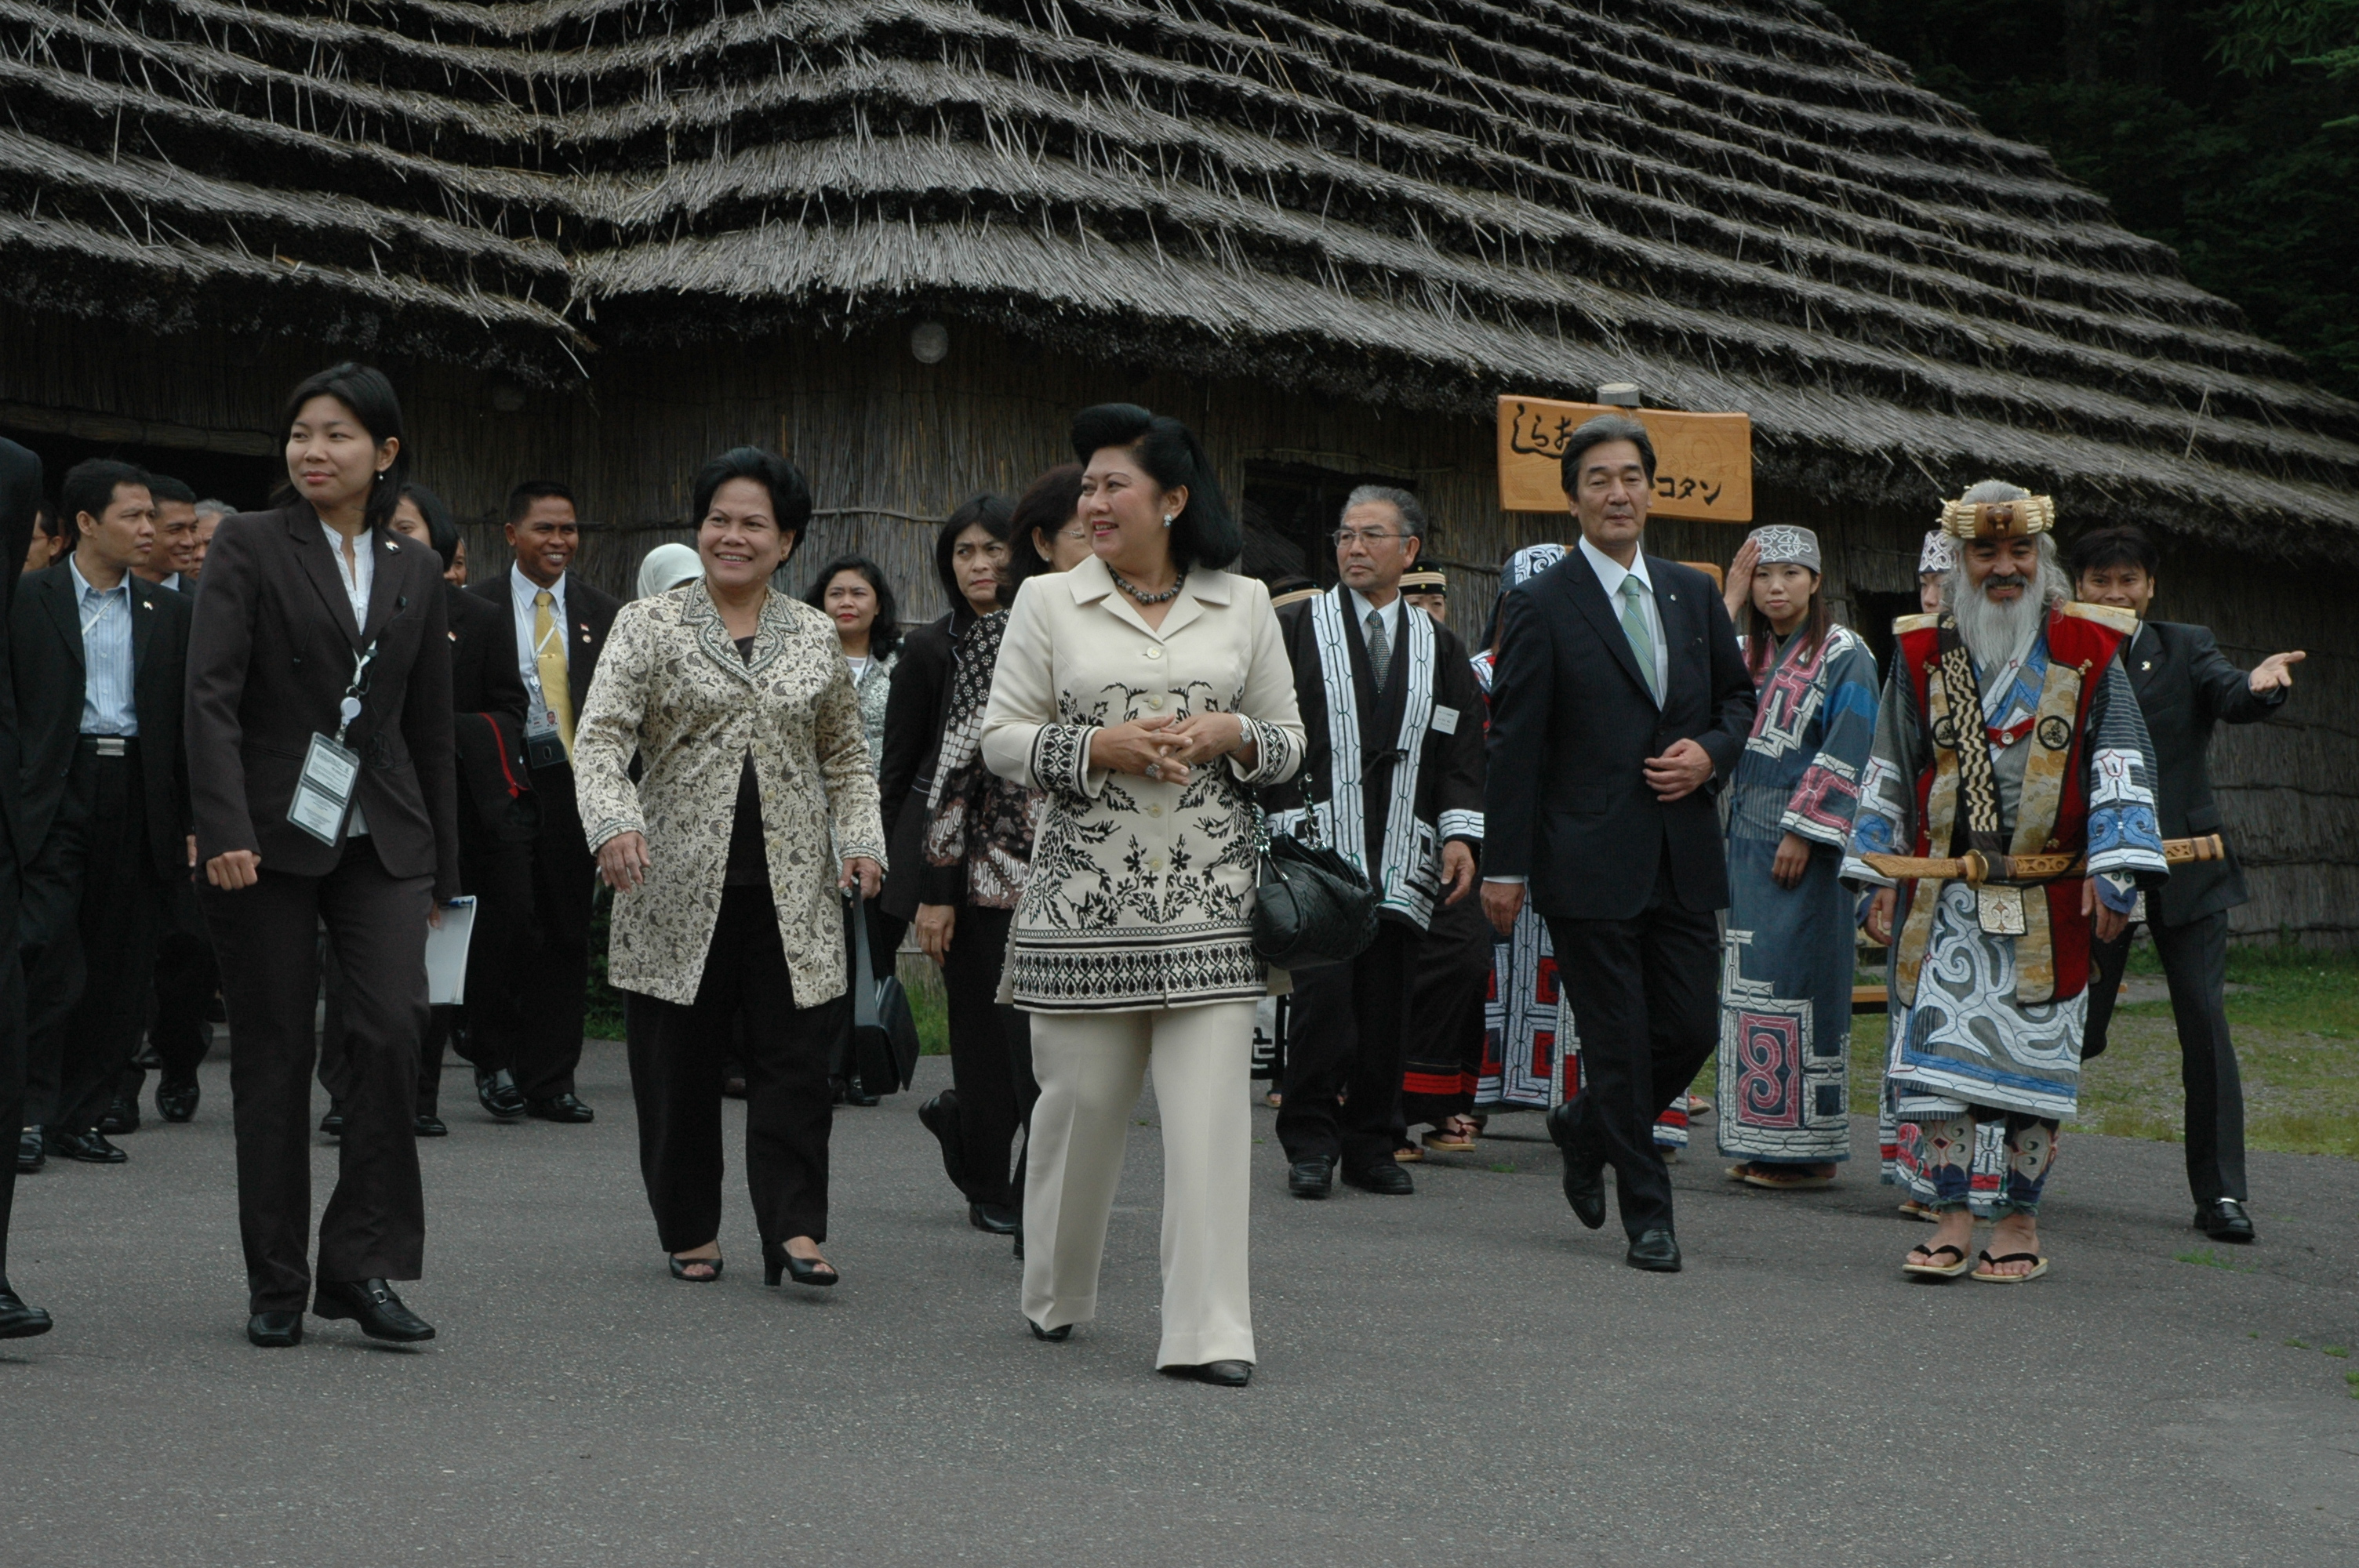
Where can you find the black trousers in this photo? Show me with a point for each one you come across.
(92, 903)
(549, 978)
(335, 1049)
(2195, 963)
(186, 978)
(266, 936)
(1344, 1056)
(1442, 1053)
(677, 1066)
(12, 1030)
(1646, 1002)
(499, 873)
(991, 1054)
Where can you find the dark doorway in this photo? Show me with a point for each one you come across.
(1290, 511)
(1878, 612)
(245, 482)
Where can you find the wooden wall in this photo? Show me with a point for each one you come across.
(890, 445)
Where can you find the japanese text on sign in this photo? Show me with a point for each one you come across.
(1703, 463)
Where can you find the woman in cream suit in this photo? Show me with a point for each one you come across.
(738, 699)
(1147, 694)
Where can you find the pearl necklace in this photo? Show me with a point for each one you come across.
(1172, 592)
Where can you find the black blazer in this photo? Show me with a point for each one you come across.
(2185, 685)
(589, 618)
(48, 665)
(487, 689)
(270, 654)
(20, 497)
(915, 713)
(1565, 799)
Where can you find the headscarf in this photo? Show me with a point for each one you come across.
(667, 566)
(1938, 554)
(1782, 543)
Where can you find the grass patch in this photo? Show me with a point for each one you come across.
(1503, 1167)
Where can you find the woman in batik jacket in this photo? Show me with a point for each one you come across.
(1785, 1000)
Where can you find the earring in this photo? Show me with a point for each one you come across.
(381, 472)
(1166, 519)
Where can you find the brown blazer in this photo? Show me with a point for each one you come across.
(269, 656)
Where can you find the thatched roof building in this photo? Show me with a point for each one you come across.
(603, 236)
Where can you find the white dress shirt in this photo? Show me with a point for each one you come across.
(105, 617)
(1390, 614)
(521, 591)
(360, 577)
(1609, 574)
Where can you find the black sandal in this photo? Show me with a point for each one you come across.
(805, 1271)
(1933, 1269)
(681, 1266)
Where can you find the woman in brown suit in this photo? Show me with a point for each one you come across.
(319, 767)
(739, 702)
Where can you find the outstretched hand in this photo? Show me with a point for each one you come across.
(2275, 673)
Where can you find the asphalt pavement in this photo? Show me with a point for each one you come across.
(1462, 1376)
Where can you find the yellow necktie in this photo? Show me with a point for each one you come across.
(549, 657)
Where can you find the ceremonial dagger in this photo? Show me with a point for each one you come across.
(1973, 867)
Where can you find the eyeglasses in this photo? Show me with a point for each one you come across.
(1344, 536)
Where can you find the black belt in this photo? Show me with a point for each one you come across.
(111, 745)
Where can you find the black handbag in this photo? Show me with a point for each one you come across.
(884, 1031)
(1311, 905)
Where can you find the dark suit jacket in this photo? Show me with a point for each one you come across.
(270, 657)
(1566, 802)
(20, 497)
(487, 689)
(915, 713)
(2184, 685)
(589, 618)
(46, 662)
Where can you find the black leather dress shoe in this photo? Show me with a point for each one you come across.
(176, 1099)
(274, 1330)
(426, 1124)
(122, 1117)
(2224, 1219)
(497, 1092)
(559, 1108)
(1388, 1179)
(18, 1321)
(332, 1124)
(1657, 1251)
(998, 1219)
(1584, 1173)
(939, 1116)
(1219, 1374)
(372, 1304)
(32, 1150)
(91, 1148)
(856, 1093)
(1311, 1178)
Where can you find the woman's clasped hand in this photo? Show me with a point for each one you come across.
(1167, 750)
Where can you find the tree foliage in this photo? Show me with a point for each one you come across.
(2230, 132)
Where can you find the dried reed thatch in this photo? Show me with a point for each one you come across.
(1421, 203)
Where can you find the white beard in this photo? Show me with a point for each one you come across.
(1996, 633)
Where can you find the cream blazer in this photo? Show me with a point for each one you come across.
(671, 688)
(1140, 892)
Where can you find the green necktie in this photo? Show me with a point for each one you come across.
(1642, 642)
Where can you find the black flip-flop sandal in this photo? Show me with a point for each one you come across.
(1938, 1270)
(1989, 1275)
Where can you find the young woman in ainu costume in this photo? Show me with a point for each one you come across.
(1785, 1000)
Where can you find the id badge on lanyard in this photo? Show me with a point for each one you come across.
(323, 791)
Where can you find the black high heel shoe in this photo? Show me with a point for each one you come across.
(1056, 1336)
(681, 1266)
(805, 1271)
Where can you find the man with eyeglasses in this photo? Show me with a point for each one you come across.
(1393, 779)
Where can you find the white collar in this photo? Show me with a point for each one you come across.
(1610, 572)
(1363, 608)
(524, 588)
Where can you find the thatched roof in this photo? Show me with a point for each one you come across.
(1423, 202)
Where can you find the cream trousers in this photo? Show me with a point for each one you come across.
(1089, 1068)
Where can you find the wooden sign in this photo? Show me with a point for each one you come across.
(1703, 463)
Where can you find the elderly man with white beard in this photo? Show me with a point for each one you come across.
(2005, 813)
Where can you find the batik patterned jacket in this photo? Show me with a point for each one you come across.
(672, 688)
(1140, 891)
(978, 826)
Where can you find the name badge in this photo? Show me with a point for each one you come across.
(1445, 721)
(324, 792)
(544, 745)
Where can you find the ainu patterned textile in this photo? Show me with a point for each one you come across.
(1984, 1019)
(1784, 999)
(1992, 1163)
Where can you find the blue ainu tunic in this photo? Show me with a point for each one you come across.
(1785, 1004)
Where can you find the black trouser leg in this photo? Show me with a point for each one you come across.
(12, 1035)
(185, 980)
(790, 1105)
(1344, 1059)
(2106, 962)
(553, 967)
(49, 943)
(121, 900)
(431, 1047)
(2195, 962)
(983, 1060)
(499, 874)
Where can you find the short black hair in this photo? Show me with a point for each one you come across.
(89, 486)
(1205, 532)
(1597, 433)
(884, 632)
(997, 518)
(1045, 508)
(2125, 546)
(369, 397)
(163, 487)
(521, 498)
(441, 527)
(790, 498)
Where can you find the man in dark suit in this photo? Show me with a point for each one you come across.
(98, 656)
(2184, 686)
(1393, 772)
(561, 623)
(1619, 704)
(20, 499)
